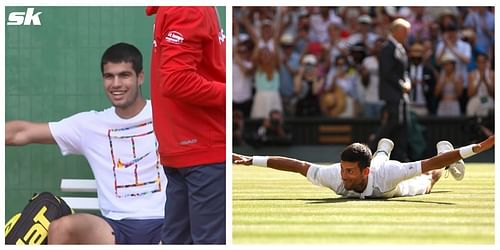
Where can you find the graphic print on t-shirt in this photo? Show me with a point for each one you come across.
(132, 156)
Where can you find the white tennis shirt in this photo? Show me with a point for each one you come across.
(123, 155)
(386, 179)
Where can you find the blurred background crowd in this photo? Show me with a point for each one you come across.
(322, 61)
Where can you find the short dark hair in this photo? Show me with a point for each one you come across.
(123, 52)
(359, 153)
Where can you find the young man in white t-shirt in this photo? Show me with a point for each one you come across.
(358, 175)
(122, 151)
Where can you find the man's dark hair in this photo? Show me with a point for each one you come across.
(123, 52)
(359, 153)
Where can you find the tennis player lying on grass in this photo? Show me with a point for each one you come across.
(358, 175)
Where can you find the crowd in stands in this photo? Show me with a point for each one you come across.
(323, 61)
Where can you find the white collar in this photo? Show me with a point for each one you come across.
(369, 187)
(393, 40)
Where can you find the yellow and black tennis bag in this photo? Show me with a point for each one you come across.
(32, 224)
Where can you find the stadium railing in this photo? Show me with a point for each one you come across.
(343, 131)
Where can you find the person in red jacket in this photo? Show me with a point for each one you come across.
(188, 94)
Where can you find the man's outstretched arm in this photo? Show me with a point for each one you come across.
(18, 133)
(275, 162)
(447, 158)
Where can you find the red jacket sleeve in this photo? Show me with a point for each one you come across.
(185, 33)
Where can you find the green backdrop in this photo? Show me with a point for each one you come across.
(53, 71)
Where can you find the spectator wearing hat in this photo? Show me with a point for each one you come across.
(423, 78)
(333, 102)
(308, 85)
(449, 87)
(321, 55)
(289, 66)
(342, 82)
(363, 33)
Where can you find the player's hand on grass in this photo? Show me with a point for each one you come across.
(242, 159)
(484, 145)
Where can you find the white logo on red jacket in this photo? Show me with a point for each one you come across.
(189, 141)
(222, 37)
(174, 37)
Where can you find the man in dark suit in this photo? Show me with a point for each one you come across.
(394, 88)
(423, 79)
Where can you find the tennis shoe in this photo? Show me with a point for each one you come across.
(457, 169)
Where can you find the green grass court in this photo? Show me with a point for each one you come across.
(271, 206)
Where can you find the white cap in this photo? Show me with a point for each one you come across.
(243, 37)
(365, 19)
(448, 57)
(286, 39)
(309, 59)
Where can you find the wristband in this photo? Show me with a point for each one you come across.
(466, 151)
(260, 161)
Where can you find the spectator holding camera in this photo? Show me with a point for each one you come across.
(272, 132)
(308, 85)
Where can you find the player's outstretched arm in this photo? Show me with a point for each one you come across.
(450, 157)
(275, 162)
(18, 133)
